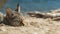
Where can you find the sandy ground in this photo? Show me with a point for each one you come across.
(33, 26)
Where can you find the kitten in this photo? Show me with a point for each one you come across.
(13, 18)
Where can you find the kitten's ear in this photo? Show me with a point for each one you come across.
(8, 11)
(17, 8)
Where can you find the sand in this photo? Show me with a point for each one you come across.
(33, 26)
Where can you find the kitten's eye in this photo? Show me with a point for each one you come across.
(12, 14)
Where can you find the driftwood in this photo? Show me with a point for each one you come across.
(53, 16)
(40, 15)
(13, 18)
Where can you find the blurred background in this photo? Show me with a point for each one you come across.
(30, 5)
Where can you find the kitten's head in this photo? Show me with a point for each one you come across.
(11, 14)
(13, 17)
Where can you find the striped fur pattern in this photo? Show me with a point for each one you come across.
(13, 18)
